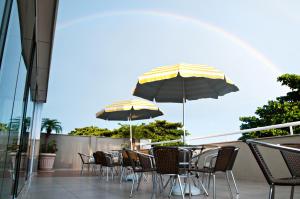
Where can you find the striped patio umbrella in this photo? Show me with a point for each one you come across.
(181, 82)
(128, 110)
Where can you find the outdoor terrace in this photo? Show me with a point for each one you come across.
(68, 183)
(64, 184)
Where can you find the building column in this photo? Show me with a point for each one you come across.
(35, 137)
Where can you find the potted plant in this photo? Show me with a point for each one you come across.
(48, 149)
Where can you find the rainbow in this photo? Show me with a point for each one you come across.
(197, 22)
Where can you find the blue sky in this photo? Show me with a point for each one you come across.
(101, 47)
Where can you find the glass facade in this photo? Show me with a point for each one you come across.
(2, 5)
(16, 106)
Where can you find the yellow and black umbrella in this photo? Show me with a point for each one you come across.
(128, 110)
(181, 82)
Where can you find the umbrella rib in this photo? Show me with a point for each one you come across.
(158, 89)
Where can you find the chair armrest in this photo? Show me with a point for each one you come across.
(274, 146)
(144, 154)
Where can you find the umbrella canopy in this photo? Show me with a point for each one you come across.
(136, 109)
(181, 82)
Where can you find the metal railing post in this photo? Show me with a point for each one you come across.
(291, 130)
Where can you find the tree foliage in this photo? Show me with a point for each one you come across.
(3, 127)
(282, 110)
(91, 131)
(159, 130)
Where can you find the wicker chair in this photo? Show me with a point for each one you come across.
(140, 164)
(291, 157)
(105, 160)
(85, 161)
(125, 165)
(224, 161)
(167, 163)
(292, 161)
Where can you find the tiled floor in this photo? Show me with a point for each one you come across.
(52, 186)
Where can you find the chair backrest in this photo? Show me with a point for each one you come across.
(290, 152)
(233, 157)
(145, 161)
(96, 159)
(84, 158)
(101, 158)
(260, 161)
(133, 158)
(226, 157)
(291, 159)
(166, 160)
(125, 159)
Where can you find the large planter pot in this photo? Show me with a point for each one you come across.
(23, 160)
(46, 161)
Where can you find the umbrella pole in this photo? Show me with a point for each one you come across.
(183, 101)
(130, 127)
(183, 120)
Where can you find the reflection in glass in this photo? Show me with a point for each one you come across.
(2, 5)
(12, 86)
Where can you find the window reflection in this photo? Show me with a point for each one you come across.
(12, 86)
(2, 4)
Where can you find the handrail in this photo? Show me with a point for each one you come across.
(276, 126)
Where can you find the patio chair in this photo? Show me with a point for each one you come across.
(86, 161)
(223, 162)
(106, 160)
(167, 163)
(292, 161)
(97, 162)
(141, 164)
(291, 157)
(125, 165)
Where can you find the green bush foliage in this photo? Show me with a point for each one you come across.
(159, 130)
(282, 110)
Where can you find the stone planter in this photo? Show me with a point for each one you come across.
(46, 161)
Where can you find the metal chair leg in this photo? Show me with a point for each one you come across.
(161, 184)
(81, 170)
(189, 181)
(214, 186)
(234, 182)
(292, 192)
(168, 181)
(208, 181)
(139, 181)
(272, 192)
(172, 186)
(122, 172)
(106, 173)
(154, 185)
(132, 186)
(229, 188)
(202, 186)
(185, 185)
(180, 185)
(100, 171)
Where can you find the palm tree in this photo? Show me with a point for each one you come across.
(50, 125)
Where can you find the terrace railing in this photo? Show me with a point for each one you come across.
(289, 125)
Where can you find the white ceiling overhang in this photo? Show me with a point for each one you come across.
(45, 20)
